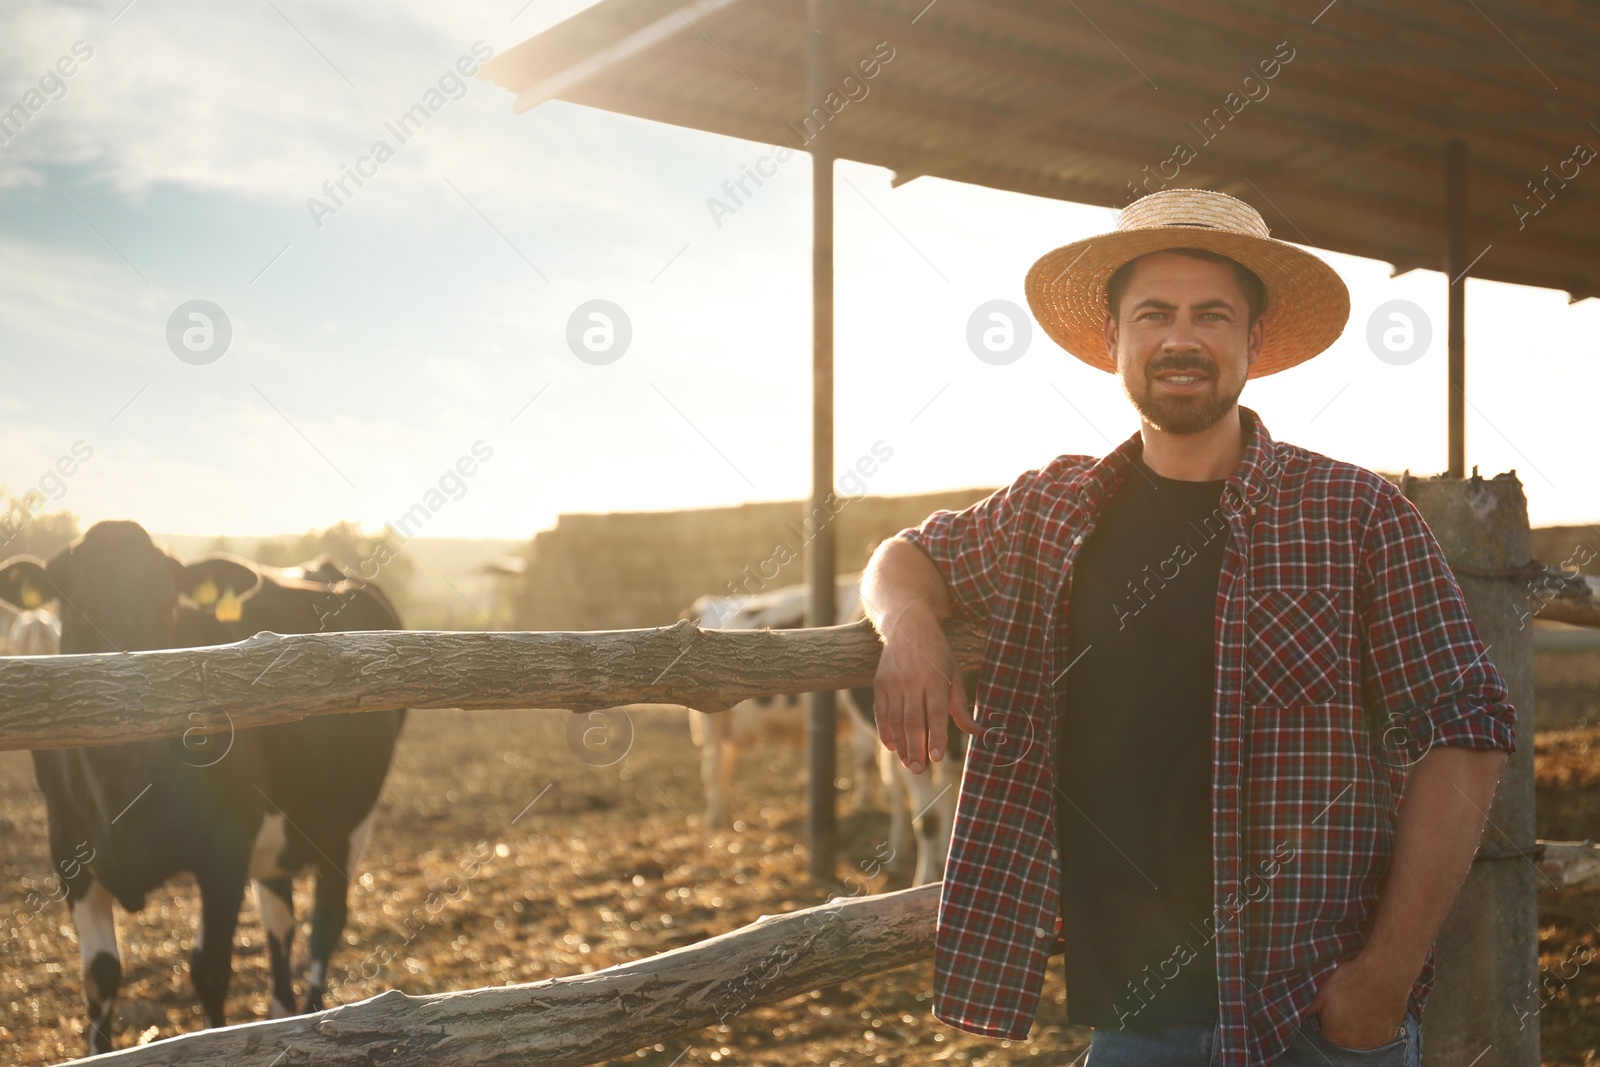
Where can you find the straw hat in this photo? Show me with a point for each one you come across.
(1307, 302)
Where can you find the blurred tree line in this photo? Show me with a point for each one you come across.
(25, 529)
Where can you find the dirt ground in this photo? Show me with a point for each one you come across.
(597, 865)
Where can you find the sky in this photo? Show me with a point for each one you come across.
(413, 340)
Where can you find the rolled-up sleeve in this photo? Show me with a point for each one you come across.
(970, 546)
(1422, 660)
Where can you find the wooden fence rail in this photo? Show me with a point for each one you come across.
(586, 1018)
(110, 698)
(1559, 596)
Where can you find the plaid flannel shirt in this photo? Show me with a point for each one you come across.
(1344, 652)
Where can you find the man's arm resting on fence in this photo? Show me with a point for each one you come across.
(918, 687)
(1442, 816)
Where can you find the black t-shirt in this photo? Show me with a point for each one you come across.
(1133, 807)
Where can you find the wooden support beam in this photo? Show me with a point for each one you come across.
(820, 550)
(1456, 267)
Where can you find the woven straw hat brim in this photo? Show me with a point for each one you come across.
(1307, 302)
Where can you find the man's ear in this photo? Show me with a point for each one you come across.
(1258, 336)
(1111, 338)
(24, 583)
(218, 585)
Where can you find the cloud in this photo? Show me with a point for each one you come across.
(59, 298)
(269, 100)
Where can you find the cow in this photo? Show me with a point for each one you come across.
(920, 804)
(35, 632)
(723, 736)
(125, 818)
(324, 774)
(924, 803)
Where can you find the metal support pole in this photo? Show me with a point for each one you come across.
(1455, 258)
(1484, 1007)
(820, 561)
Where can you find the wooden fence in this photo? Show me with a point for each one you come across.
(61, 701)
(110, 698)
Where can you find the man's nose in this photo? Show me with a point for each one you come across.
(1180, 337)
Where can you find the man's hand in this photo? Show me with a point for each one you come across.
(918, 690)
(1362, 1004)
(1442, 815)
(918, 687)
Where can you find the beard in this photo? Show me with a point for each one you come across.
(1182, 414)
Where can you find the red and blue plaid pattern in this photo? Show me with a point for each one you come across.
(1344, 651)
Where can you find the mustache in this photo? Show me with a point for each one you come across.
(1203, 366)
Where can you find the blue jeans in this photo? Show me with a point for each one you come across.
(1195, 1045)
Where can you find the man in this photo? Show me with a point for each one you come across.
(1236, 729)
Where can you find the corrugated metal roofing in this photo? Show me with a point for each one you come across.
(1330, 118)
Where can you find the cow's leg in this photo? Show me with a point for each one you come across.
(864, 746)
(935, 842)
(327, 923)
(275, 902)
(932, 799)
(947, 814)
(211, 963)
(900, 840)
(863, 751)
(331, 910)
(855, 705)
(716, 773)
(724, 793)
(102, 964)
(328, 916)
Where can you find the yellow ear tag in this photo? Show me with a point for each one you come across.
(228, 608)
(30, 596)
(205, 593)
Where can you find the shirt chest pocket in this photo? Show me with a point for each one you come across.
(1296, 648)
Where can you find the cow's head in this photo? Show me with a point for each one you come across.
(23, 583)
(116, 590)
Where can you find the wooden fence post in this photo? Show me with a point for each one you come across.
(1484, 1008)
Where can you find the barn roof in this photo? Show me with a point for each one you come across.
(1331, 118)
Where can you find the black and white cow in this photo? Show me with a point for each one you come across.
(922, 807)
(323, 774)
(724, 736)
(259, 803)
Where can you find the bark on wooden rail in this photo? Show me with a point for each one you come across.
(1569, 867)
(109, 698)
(1572, 598)
(583, 1019)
